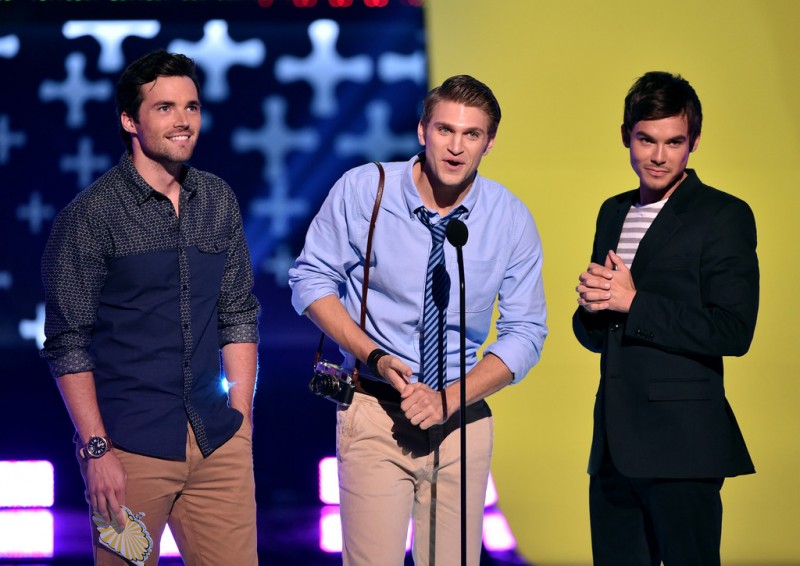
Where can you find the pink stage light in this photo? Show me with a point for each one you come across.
(26, 533)
(497, 534)
(329, 484)
(328, 481)
(168, 545)
(330, 530)
(491, 493)
(26, 483)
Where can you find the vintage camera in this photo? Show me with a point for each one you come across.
(333, 383)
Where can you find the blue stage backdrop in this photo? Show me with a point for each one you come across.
(292, 97)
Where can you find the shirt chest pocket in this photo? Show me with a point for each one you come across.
(216, 245)
(207, 264)
(482, 280)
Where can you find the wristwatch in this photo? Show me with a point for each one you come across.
(95, 448)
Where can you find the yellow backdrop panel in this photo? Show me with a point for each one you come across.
(560, 69)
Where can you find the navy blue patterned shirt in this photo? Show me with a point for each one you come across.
(145, 299)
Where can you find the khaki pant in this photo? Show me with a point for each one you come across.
(391, 470)
(209, 503)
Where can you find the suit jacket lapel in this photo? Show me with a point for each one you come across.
(615, 221)
(665, 225)
(659, 233)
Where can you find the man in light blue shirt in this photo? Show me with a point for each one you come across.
(398, 442)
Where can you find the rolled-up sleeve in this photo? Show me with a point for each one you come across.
(73, 272)
(238, 305)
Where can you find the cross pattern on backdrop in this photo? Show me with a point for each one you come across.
(291, 99)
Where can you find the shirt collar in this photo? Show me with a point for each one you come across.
(141, 189)
(411, 195)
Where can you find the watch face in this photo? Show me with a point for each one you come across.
(96, 446)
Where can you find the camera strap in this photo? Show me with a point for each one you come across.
(365, 287)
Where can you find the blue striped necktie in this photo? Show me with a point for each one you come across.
(433, 359)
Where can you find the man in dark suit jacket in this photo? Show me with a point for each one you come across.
(672, 287)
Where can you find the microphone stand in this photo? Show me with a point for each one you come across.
(457, 235)
(463, 407)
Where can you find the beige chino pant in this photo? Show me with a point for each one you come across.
(391, 471)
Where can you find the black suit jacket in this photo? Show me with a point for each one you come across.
(661, 408)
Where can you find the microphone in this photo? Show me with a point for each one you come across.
(456, 233)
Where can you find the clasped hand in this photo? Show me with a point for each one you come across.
(606, 287)
(423, 407)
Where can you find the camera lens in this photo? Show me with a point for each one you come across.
(325, 385)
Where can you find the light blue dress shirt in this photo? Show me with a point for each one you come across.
(502, 260)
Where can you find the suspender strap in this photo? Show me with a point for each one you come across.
(375, 208)
(365, 287)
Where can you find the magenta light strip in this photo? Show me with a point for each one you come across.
(26, 483)
(26, 533)
(329, 484)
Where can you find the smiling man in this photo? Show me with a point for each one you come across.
(672, 287)
(398, 443)
(147, 276)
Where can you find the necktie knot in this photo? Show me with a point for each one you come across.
(438, 229)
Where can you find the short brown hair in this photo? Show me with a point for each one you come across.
(466, 90)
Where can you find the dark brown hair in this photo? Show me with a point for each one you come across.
(145, 70)
(656, 95)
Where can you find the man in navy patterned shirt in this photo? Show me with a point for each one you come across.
(147, 277)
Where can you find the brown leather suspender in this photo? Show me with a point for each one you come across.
(365, 287)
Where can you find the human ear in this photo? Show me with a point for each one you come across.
(421, 133)
(626, 136)
(489, 146)
(127, 122)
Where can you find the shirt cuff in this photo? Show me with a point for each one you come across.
(518, 358)
(242, 333)
(74, 361)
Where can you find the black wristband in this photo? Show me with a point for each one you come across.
(372, 360)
